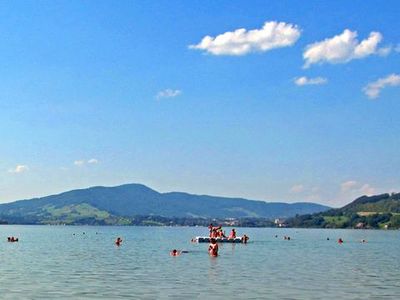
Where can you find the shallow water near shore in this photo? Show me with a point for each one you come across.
(82, 262)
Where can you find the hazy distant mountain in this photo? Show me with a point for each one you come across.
(116, 205)
(380, 211)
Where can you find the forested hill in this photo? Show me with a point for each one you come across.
(380, 211)
(118, 205)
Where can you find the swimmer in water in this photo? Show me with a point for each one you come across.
(175, 252)
(118, 241)
(340, 241)
(213, 248)
(245, 238)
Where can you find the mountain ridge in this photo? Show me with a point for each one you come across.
(374, 212)
(128, 200)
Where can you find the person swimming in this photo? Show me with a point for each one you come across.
(118, 241)
(340, 241)
(213, 248)
(175, 252)
(245, 238)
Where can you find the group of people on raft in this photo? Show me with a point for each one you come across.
(215, 233)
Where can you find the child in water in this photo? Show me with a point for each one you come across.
(213, 248)
(118, 241)
(175, 252)
(245, 238)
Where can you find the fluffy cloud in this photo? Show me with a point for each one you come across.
(373, 89)
(168, 93)
(241, 41)
(343, 47)
(297, 188)
(79, 163)
(300, 81)
(92, 161)
(368, 190)
(19, 169)
(348, 185)
(353, 186)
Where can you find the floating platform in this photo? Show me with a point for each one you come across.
(206, 239)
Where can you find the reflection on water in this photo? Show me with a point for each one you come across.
(213, 269)
(84, 263)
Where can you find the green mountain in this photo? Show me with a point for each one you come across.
(122, 204)
(380, 211)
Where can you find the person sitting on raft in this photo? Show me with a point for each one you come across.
(220, 232)
(213, 248)
(232, 235)
(118, 241)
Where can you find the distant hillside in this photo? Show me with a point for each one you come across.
(380, 211)
(118, 205)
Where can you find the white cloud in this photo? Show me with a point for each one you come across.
(355, 187)
(297, 188)
(300, 81)
(373, 89)
(315, 189)
(343, 48)
(348, 185)
(19, 169)
(368, 190)
(82, 162)
(79, 163)
(168, 93)
(384, 51)
(241, 41)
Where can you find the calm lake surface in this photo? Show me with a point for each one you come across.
(50, 262)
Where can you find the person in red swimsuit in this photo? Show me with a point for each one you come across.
(213, 248)
(232, 235)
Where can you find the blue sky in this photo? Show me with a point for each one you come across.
(304, 108)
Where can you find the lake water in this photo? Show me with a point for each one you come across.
(50, 262)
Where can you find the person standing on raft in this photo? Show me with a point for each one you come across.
(232, 235)
(213, 248)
